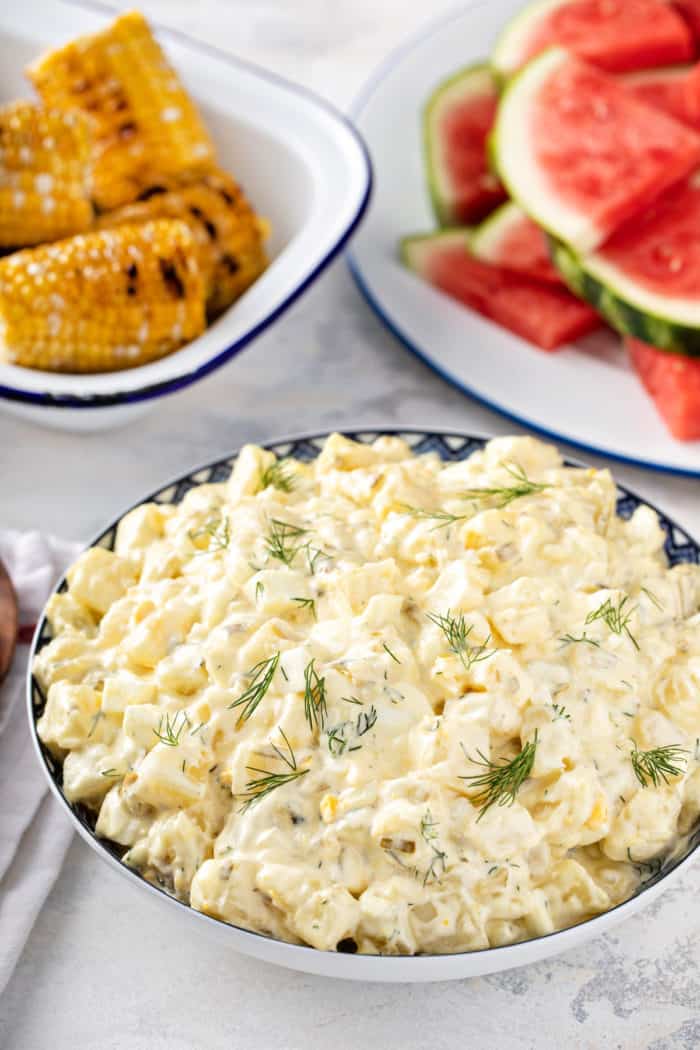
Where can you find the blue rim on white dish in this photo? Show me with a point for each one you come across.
(450, 445)
(386, 306)
(158, 388)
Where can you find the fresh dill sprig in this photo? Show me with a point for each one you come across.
(442, 517)
(429, 834)
(366, 720)
(315, 708)
(312, 558)
(279, 475)
(352, 700)
(505, 494)
(218, 531)
(500, 784)
(260, 677)
(94, 721)
(560, 712)
(280, 542)
(337, 741)
(571, 639)
(392, 655)
(256, 789)
(259, 590)
(169, 730)
(616, 617)
(307, 603)
(457, 632)
(652, 598)
(110, 773)
(658, 764)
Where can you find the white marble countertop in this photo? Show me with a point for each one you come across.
(103, 968)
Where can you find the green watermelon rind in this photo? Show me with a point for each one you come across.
(411, 244)
(466, 76)
(487, 236)
(504, 70)
(639, 316)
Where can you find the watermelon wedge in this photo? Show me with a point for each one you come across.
(674, 385)
(547, 316)
(675, 90)
(511, 240)
(580, 154)
(457, 120)
(615, 35)
(646, 279)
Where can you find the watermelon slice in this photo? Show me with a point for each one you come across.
(646, 279)
(690, 12)
(615, 35)
(676, 91)
(674, 384)
(511, 240)
(457, 120)
(580, 154)
(539, 312)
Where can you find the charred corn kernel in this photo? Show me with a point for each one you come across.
(102, 301)
(329, 808)
(44, 174)
(146, 125)
(228, 233)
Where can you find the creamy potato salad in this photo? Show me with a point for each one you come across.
(383, 703)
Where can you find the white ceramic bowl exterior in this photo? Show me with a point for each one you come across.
(450, 446)
(589, 398)
(301, 163)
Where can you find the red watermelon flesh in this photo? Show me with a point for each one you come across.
(515, 243)
(673, 381)
(675, 91)
(606, 154)
(659, 249)
(547, 316)
(690, 11)
(615, 35)
(465, 129)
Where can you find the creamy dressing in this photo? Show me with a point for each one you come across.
(371, 836)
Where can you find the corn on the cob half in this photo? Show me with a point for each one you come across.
(228, 233)
(44, 174)
(146, 124)
(102, 301)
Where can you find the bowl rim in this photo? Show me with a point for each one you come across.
(159, 388)
(358, 966)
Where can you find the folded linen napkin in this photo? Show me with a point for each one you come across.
(34, 833)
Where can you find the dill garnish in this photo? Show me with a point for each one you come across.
(280, 541)
(336, 740)
(560, 712)
(218, 531)
(315, 708)
(456, 632)
(306, 603)
(366, 720)
(500, 784)
(388, 650)
(259, 590)
(260, 676)
(658, 764)
(352, 700)
(571, 639)
(442, 517)
(313, 558)
(652, 598)
(615, 617)
(279, 475)
(110, 773)
(507, 493)
(93, 723)
(429, 834)
(256, 789)
(169, 731)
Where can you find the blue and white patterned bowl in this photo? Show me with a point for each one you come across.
(451, 446)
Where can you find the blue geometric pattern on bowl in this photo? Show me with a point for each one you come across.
(679, 546)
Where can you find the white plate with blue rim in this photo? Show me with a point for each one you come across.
(587, 394)
(302, 164)
(656, 877)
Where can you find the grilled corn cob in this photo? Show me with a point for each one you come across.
(228, 233)
(102, 301)
(44, 180)
(146, 124)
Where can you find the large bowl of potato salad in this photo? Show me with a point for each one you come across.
(391, 706)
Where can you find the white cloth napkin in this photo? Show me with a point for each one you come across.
(34, 833)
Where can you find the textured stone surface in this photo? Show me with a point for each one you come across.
(104, 967)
